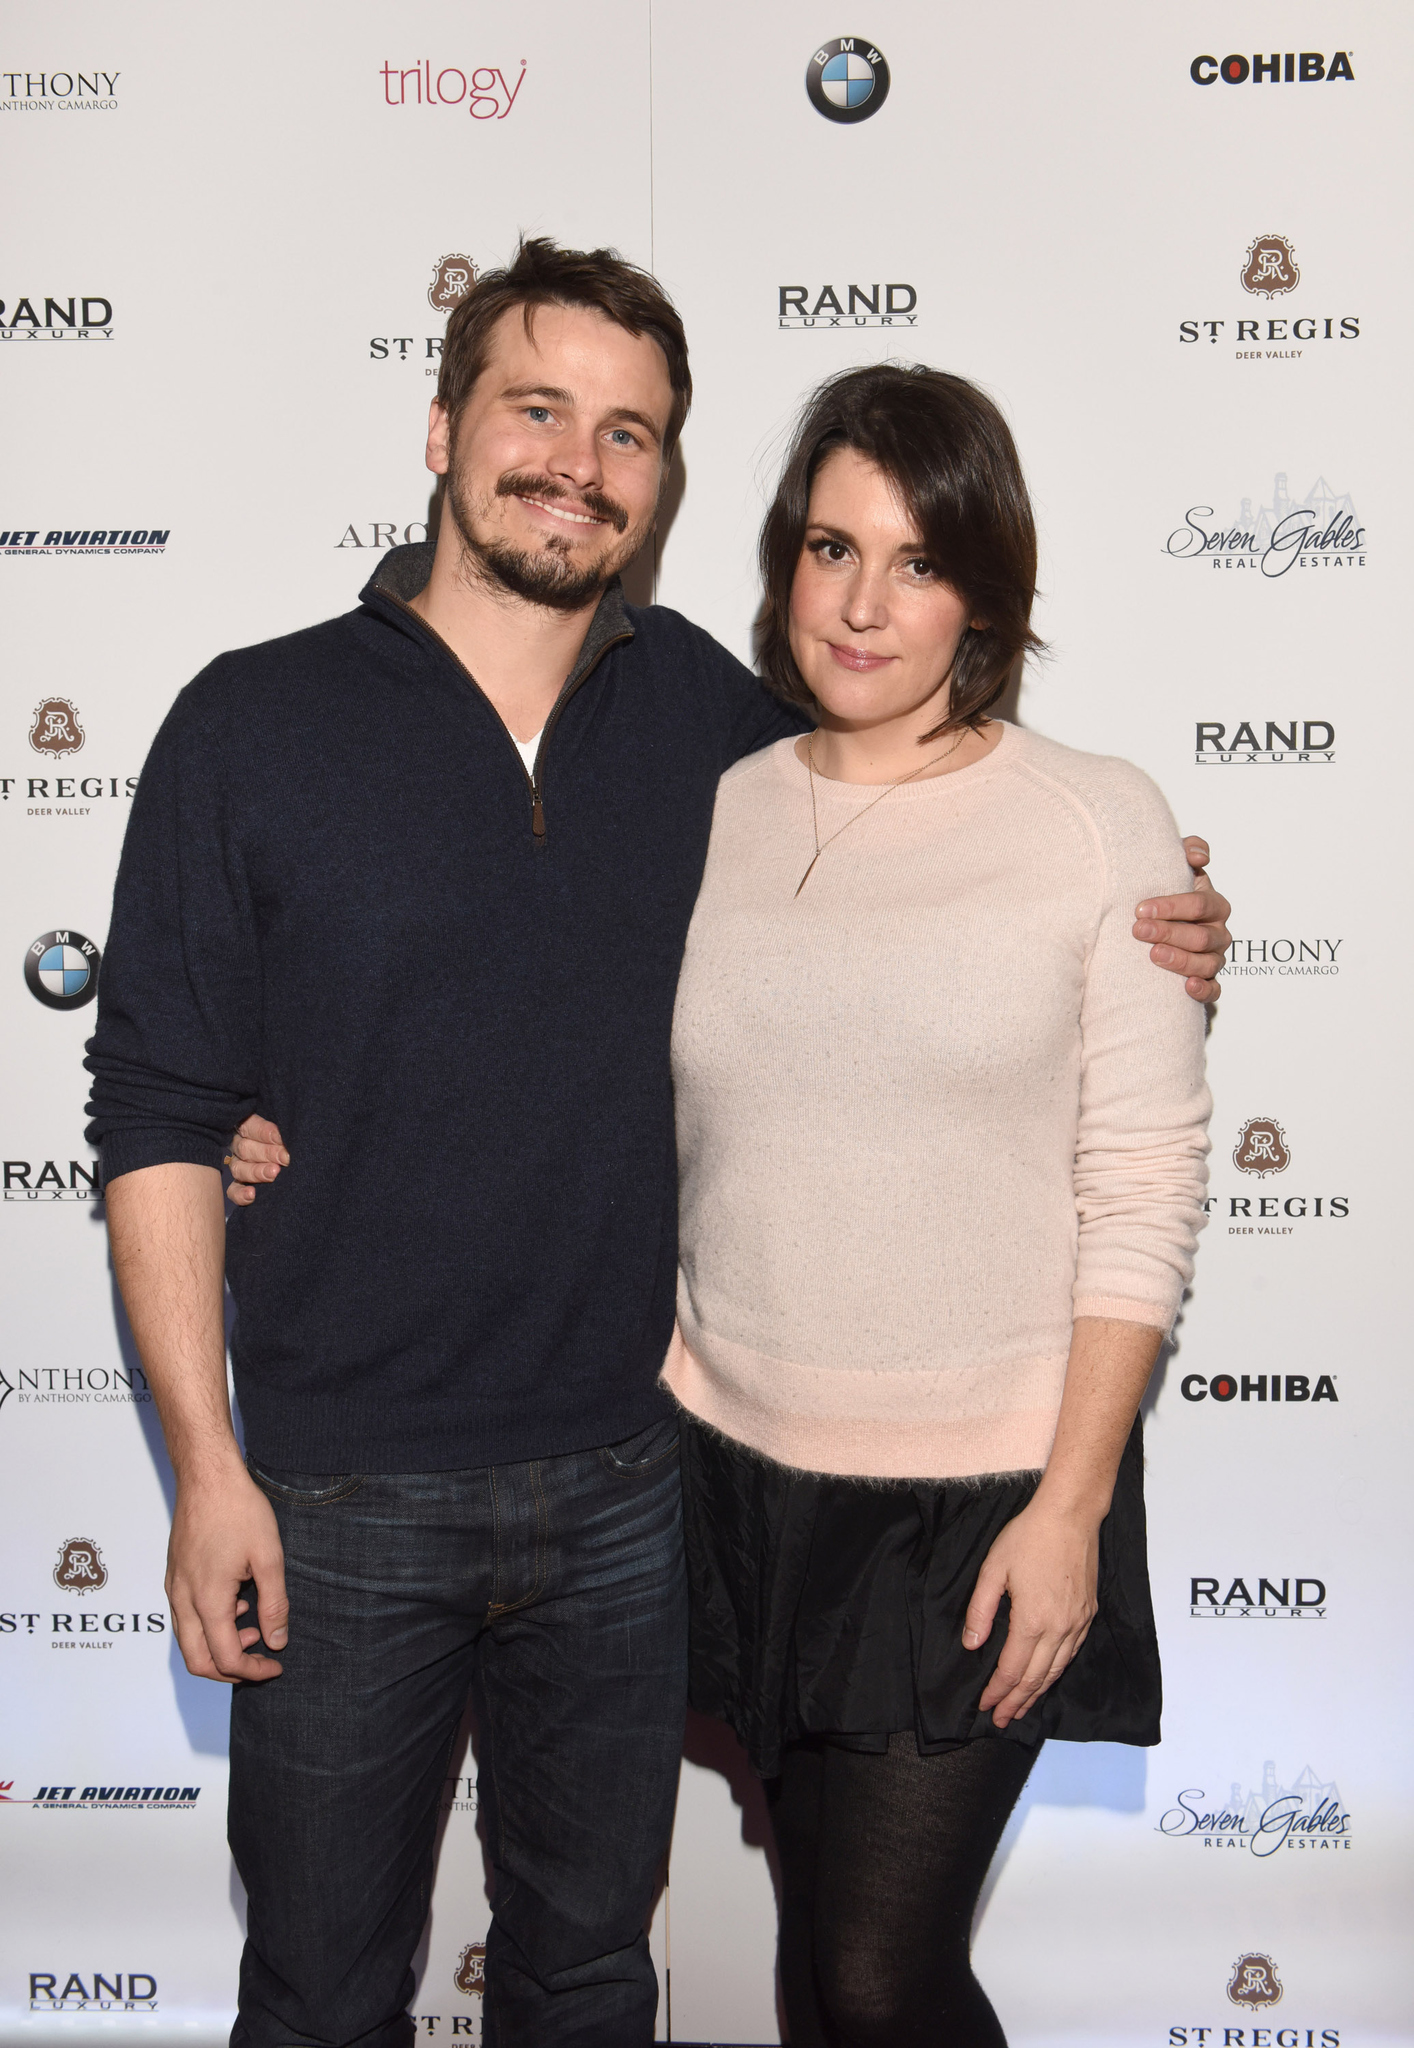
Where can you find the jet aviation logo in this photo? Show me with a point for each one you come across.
(847, 79)
(56, 730)
(1254, 1982)
(1271, 267)
(451, 281)
(1261, 1148)
(81, 1568)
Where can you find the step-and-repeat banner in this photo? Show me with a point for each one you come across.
(1170, 241)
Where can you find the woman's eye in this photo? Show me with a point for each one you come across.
(920, 569)
(829, 550)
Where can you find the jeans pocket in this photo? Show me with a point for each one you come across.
(644, 1451)
(305, 1489)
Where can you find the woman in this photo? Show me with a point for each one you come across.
(941, 1134)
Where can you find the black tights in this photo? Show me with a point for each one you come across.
(882, 1861)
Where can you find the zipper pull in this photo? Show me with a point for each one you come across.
(537, 817)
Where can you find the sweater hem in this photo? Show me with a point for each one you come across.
(870, 1424)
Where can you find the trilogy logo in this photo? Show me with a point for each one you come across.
(107, 1994)
(883, 305)
(1274, 1600)
(1321, 532)
(1288, 67)
(385, 534)
(61, 970)
(483, 91)
(60, 322)
(1305, 743)
(1306, 1815)
(96, 540)
(1223, 1386)
(847, 79)
(115, 1798)
(1283, 957)
(67, 91)
(1254, 1982)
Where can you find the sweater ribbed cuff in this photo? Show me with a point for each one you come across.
(127, 1151)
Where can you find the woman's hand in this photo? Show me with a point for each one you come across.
(257, 1153)
(1046, 1561)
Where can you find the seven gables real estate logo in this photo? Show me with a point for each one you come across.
(1320, 531)
(1307, 1816)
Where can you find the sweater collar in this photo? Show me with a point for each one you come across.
(404, 571)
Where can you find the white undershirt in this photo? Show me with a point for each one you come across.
(526, 749)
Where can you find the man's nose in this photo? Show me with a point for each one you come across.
(575, 458)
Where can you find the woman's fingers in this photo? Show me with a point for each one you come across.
(982, 1607)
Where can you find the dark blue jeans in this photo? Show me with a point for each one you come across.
(553, 1593)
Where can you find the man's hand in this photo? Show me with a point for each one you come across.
(257, 1153)
(224, 1533)
(1047, 1563)
(1188, 934)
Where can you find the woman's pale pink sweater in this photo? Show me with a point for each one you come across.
(930, 1110)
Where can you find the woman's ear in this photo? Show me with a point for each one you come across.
(978, 625)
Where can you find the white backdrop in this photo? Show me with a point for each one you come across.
(248, 209)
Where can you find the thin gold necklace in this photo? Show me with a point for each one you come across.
(888, 791)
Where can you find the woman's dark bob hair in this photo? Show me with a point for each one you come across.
(950, 454)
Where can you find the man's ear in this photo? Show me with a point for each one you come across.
(439, 439)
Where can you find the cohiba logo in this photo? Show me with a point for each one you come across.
(848, 79)
(61, 970)
(451, 281)
(471, 1969)
(882, 305)
(1305, 1815)
(1254, 1982)
(1320, 531)
(1224, 1386)
(483, 90)
(1274, 1601)
(1282, 67)
(1270, 268)
(64, 320)
(80, 1568)
(1261, 1148)
(56, 730)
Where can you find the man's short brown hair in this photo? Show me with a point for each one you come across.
(542, 274)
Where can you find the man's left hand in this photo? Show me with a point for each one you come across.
(1188, 935)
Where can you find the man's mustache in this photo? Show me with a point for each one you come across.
(521, 484)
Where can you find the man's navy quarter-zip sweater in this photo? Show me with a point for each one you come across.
(343, 902)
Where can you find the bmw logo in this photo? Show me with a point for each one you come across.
(62, 970)
(848, 79)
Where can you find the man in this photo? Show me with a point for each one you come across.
(415, 884)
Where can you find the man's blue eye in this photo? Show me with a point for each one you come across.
(539, 412)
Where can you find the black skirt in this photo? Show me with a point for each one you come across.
(834, 1607)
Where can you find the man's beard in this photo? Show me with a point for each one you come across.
(546, 575)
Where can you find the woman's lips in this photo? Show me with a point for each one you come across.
(856, 659)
